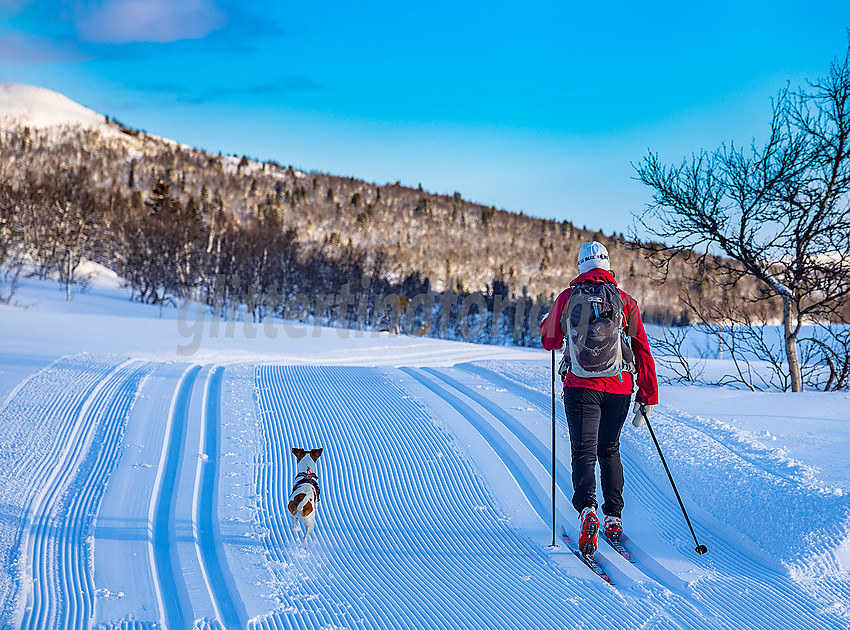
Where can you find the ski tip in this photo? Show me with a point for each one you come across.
(701, 549)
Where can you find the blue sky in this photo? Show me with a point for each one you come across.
(538, 108)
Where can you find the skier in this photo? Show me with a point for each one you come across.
(605, 346)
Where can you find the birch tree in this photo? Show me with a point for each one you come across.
(777, 212)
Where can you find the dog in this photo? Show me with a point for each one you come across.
(304, 497)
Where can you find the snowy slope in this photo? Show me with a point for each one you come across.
(146, 488)
(40, 107)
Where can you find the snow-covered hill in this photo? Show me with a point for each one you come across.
(40, 107)
(146, 476)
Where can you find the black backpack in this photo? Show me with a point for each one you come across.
(594, 326)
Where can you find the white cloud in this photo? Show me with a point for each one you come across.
(124, 21)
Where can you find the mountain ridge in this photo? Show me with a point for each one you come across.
(237, 215)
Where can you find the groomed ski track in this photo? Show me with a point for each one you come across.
(423, 512)
(735, 586)
(144, 551)
(162, 513)
(408, 534)
(435, 510)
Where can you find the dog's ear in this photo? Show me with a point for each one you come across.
(315, 453)
(299, 453)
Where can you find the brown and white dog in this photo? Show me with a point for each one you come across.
(304, 497)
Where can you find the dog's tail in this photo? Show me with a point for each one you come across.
(301, 504)
(305, 507)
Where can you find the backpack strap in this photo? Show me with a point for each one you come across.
(312, 479)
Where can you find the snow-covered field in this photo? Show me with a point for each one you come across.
(146, 472)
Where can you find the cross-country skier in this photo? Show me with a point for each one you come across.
(605, 346)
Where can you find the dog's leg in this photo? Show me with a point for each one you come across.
(306, 510)
(309, 523)
(294, 508)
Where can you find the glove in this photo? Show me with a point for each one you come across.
(641, 409)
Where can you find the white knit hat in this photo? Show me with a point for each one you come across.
(593, 256)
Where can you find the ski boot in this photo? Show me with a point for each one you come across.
(613, 527)
(588, 538)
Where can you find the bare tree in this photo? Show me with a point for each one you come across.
(828, 350)
(779, 213)
(671, 352)
(74, 214)
(10, 254)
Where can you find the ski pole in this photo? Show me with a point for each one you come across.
(701, 549)
(553, 449)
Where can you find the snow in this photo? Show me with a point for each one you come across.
(146, 466)
(40, 107)
(92, 275)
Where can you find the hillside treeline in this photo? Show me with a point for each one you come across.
(181, 223)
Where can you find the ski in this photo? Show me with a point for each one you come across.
(589, 561)
(619, 547)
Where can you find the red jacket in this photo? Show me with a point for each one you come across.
(552, 338)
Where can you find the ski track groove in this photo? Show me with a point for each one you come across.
(57, 551)
(229, 608)
(34, 466)
(747, 576)
(172, 595)
(85, 503)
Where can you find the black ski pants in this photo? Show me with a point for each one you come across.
(595, 420)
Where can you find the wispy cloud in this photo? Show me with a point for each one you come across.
(284, 85)
(215, 94)
(22, 48)
(161, 21)
(247, 26)
(14, 5)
